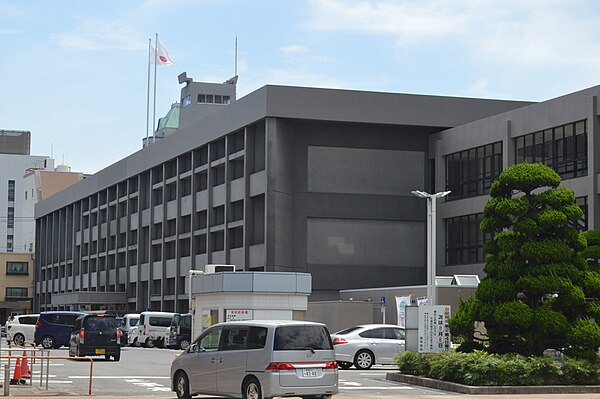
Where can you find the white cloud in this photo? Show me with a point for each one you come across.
(294, 49)
(532, 36)
(93, 34)
(407, 21)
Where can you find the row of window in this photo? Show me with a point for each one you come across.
(470, 173)
(464, 238)
(206, 99)
(16, 293)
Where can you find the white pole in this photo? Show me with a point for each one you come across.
(429, 260)
(154, 101)
(433, 250)
(148, 91)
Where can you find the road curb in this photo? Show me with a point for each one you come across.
(490, 390)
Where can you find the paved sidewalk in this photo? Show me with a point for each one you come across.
(342, 396)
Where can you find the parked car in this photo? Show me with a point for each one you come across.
(128, 323)
(53, 329)
(132, 337)
(153, 328)
(368, 344)
(180, 332)
(21, 329)
(95, 335)
(258, 359)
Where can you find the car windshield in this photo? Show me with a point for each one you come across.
(302, 337)
(100, 323)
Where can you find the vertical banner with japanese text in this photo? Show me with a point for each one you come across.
(401, 303)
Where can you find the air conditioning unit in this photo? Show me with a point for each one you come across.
(218, 268)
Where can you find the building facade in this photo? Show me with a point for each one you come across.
(562, 133)
(283, 179)
(16, 284)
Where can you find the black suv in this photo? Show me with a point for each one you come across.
(180, 333)
(96, 335)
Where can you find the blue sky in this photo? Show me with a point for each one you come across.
(74, 73)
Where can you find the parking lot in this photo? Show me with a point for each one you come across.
(145, 372)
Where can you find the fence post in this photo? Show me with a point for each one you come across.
(6, 380)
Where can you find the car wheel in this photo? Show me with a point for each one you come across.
(251, 389)
(48, 342)
(364, 360)
(106, 357)
(344, 365)
(182, 386)
(184, 344)
(135, 343)
(117, 357)
(149, 343)
(18, 339)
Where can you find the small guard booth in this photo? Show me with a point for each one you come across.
(227, 296)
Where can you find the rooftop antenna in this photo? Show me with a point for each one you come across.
(51, 150)
(236, 53)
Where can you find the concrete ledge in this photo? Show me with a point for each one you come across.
(490, 390)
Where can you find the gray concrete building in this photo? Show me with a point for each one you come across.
(283, 179)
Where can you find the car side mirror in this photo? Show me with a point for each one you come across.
(192, 348)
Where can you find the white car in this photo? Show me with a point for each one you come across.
(21, 329)
(368, 344)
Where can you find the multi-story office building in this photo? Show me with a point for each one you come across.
(16, 284)
(15, 142)
(283, 179)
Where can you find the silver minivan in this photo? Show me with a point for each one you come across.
(258, 359)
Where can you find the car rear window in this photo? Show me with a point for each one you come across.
(28, 319)
(302, 337)
(347, 330)
(98, 323)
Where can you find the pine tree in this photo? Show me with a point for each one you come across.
(539, 292)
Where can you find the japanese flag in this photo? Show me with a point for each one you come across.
(160, 55)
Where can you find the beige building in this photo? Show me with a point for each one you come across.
(16, 284)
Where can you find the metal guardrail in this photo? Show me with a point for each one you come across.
(42, 358)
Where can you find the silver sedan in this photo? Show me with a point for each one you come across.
(368, 344)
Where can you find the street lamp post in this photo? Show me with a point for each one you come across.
(431, 241)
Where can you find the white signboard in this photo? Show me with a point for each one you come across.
(401, 303)
(238, 314)
(434, 331)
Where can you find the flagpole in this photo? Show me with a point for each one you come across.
(154, 101)
(148, 91)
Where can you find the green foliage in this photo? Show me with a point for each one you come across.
(586, 334)
(496, 291)
(580, 372)
(541, 275)
(550, 323)
(592, 237)
(514, 313)
(480, 368)
(545, 251)
(591, 284)
(461, 324)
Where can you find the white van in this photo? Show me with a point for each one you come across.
(153, 327)
(258, 359)
(128, 323)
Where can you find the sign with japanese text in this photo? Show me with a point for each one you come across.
(434, 331)
(238, 314)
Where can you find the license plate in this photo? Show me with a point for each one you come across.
(310, 372)
(100, 351)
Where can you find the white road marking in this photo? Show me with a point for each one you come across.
(352, 383)
(96, 377)
(59, 382)
(375, 388)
